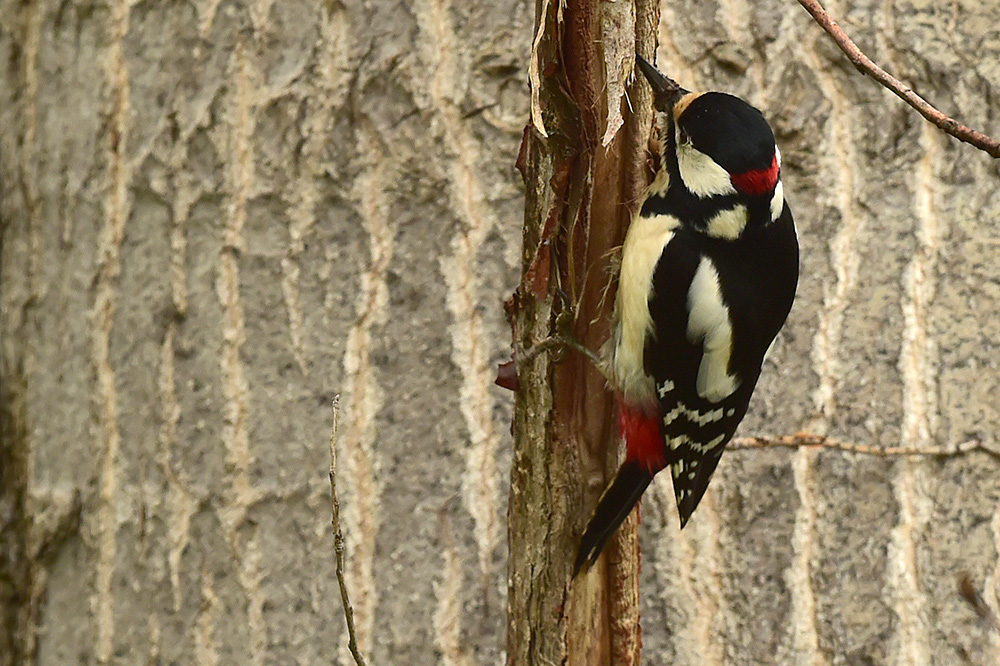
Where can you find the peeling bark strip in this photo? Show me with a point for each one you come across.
(565, 442)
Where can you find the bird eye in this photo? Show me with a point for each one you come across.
(682, 137)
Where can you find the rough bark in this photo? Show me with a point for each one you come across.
(281, 201)
(15, 527)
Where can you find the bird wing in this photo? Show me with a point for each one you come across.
(703, 394)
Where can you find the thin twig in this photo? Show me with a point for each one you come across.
(588, 353)
(338, 540)
(866, 66)
(554, 342)
(803, 439)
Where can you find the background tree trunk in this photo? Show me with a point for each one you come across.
(217, 215)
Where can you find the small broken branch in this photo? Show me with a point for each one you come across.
(554, 342)
(803, 439)
(338, 540)
(508, 374)
(865, 65)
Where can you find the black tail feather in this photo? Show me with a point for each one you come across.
(688, 500)
(612, 510)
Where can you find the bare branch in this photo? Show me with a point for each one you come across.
(866, 66)
(338, 540)
(558, 342)
(802, 439)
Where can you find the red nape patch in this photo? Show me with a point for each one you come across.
(641, 430)
(757, 182)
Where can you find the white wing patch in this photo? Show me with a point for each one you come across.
(643, 245)
(708, 323)
(729, 223)
(701, 174)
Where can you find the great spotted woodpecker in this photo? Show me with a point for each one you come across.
(708, 274)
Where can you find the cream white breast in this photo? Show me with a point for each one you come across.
(643, 245)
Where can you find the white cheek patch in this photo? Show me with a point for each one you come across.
(777, 201)
(708, 323)
(700, 173)
(643, 245)
(728, 224)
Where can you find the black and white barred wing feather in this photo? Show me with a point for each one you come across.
(718, 334)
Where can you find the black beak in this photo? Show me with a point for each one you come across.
(666, 91)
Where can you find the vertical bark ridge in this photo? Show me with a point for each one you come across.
(917, 367)
(480, 487)
(844, 259)
(363, 396)
(108, 271)
(240, 122)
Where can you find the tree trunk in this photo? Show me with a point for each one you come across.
(583, 180)
(215, 216)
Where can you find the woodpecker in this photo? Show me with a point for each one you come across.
(708, 274)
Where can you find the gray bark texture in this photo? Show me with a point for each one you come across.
(215, 216)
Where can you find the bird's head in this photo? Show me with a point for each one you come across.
(722, 144)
